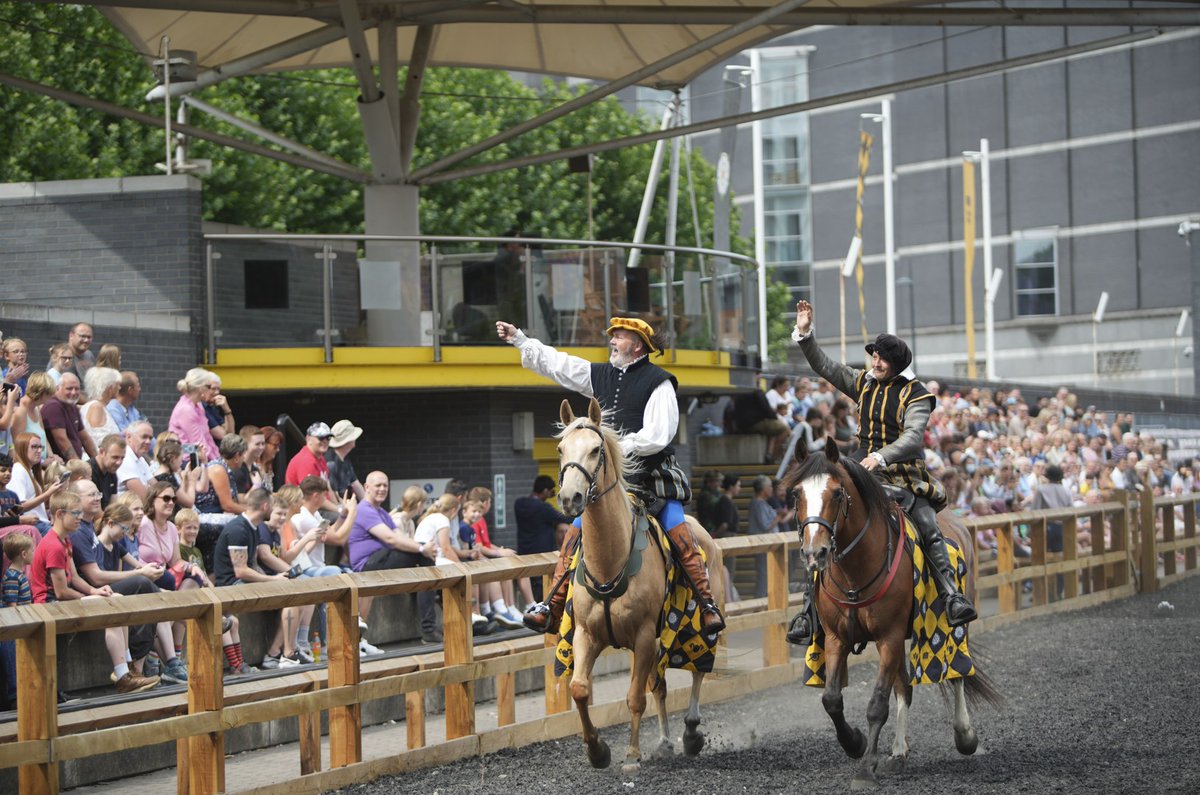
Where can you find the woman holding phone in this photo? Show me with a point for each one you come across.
(187, 478)
(28, 479)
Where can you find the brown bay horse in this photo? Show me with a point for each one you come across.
(864, 592)
(592, 482)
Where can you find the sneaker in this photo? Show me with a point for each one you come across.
(151, 666)
(242, 669)
(515, 615)
(366, 648)
(485, 627)
(270, 662)
(430, 638)
(174, 673)
(504, 618)
(226, 624)
(132, 683)
(291, 662)
(303, 656)
(362, 625)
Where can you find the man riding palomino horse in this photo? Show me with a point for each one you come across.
(641, 398)
(894, 409)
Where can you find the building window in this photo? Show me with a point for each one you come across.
(266, 283)
(1035, 262)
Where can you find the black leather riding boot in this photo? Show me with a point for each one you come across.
(546, 616)
(800, 631)
(959, 609)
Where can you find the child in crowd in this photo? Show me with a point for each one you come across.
(16, 363)
(187, 521)
(9, 501)
(489, 596)
(18, 550)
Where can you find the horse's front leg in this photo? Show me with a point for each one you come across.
(965, 739)
(895, 763)
(586, 651)
(693, 738)
(644, 658)
(851, 739)
(891, 657)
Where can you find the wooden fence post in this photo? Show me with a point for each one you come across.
(1037, 557)
(1149, 557)
(1071, 553)
(458, 631)
(1189, 532)
(556, 689)
(1006, 593)
(206, 693)
(775, 645)
(1168, 522)
(37, 702)
(310, 736)
(506, 699)
(345, 723)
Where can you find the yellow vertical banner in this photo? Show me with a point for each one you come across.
(969, 260)
(864, 162)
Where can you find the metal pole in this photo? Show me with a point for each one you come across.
(210, 307)
(889, 235)
(1190, 232)
(434, 288)
(989, 316)
(327, 256)
(607, 259)
(639, 232)
(166, 62)
(530, 317)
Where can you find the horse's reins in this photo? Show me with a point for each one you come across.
(890, 565)
(602, 590)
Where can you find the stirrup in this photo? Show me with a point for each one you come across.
(800, 631)
(537, 617)
(712, 609)
(959, 610)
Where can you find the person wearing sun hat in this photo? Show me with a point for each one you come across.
(894, 409)
(341, 472)
(642, 402)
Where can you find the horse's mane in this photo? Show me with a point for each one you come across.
(869, 490)
(621, 463)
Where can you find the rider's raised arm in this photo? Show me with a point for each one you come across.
(660, 421)
(843, 377)
(911, 443)
(570, 372)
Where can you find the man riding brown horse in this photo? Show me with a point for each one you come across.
(641, 399)
(894, 409)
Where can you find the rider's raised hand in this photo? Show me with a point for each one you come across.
(505, 331)
(804, 317)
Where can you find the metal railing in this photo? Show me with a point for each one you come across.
(285, 290)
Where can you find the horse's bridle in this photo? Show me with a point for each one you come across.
(853, 595)
(592, 477)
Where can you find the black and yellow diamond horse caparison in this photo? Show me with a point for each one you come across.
(641, 401)
(894, 409)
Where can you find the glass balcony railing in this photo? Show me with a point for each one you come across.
(274, 291)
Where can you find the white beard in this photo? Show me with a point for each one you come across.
(619, 361)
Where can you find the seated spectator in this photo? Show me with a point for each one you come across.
(272, 442)
(16, 363)
(135, 473)
(811, 433)
(342, 477)
(217, 411)
(18, 553)
(11, 514)
(158, 543)
(272, 556)
(63, 422)
(189, 480)
(100, 386)
(29, 482)
(221, 502)
(188, 420)
(27, 418)
(54, 578)
(249, 475)
(61, 361)
(376, 545)
(109, 356)
(752, 413)
(310, 459)
(10, 401)
(483, 542)
(779, 399)
(122, 407)
(78, 346)
(188, 523)
(105, 465)
(489, 597)
(845, 427)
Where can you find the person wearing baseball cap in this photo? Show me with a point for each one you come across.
(642, 401)
(342, 476)
(894, 409)
(310, 459)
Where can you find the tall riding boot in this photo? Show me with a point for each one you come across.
(543, 616)
(688, 555)
(800, 631)
(959, 609)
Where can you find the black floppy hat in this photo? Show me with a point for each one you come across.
(892, 350)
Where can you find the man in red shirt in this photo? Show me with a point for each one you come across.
(310, 460)
(53, 578)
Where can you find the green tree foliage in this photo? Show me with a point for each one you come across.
(74, 47)
(781, 319)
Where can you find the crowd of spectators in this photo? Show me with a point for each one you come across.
(95, 504)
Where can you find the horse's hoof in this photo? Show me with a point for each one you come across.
(893, 764)
(599, 755)
(631, 767)
(664, 750)
(864, 780)
(693, 742)
(966, 741)
(857, 745)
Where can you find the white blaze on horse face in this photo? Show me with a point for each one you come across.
(814, 500)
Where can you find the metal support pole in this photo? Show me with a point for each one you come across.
(327, 256)
(639, 232)
(607, 259)
(210, 307)
(889, 233)
(669, 257)
(434, 289)
(530, 315)
(166, 67)
(989, 316)
(1190, 232)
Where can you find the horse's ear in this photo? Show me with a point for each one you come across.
(564, 412)
(801, 451)
(831, 450)
(594, 413)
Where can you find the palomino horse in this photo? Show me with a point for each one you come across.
(865, 592)
(591, 481)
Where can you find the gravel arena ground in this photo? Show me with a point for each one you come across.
(1100, 700)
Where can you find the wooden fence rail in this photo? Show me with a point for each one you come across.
(1127, 536)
